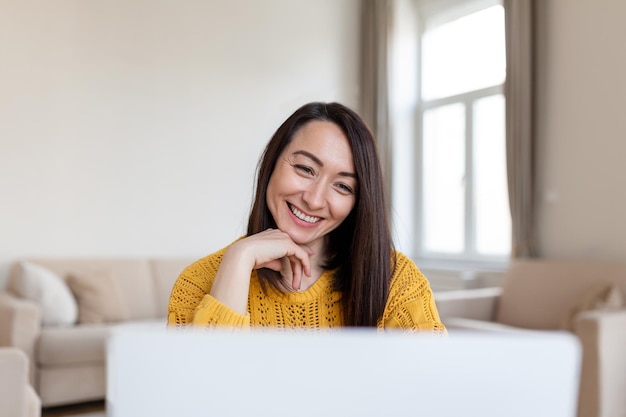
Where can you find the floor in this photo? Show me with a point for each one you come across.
(91, 409)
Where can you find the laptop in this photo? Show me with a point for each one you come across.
(167, 373)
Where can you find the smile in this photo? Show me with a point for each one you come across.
(302, 216)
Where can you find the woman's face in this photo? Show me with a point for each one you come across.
(313, 186)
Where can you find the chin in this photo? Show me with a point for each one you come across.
(300, 239)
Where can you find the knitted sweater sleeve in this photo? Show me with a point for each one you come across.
(191, 303)
(411, 304)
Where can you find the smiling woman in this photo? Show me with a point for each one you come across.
(318, 250)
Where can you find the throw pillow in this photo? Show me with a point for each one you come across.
(603, 297)
(47, 289)
(98, 296)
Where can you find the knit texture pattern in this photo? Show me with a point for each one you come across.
(410, 305)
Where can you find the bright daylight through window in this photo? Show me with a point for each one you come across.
(464, 211)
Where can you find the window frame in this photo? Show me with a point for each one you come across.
(433, 13)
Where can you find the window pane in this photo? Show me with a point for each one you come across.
(443, 179)
(493, 219)
(465, 54)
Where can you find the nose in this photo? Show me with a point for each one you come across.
(315, 195)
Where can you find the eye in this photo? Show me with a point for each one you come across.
(304, 169)
(344, 188)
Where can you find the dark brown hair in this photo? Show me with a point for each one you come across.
(361, 248)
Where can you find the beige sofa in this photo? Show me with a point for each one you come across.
(586, 298)
(61, 311)
(17, 396)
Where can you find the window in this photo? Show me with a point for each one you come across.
(461, 211)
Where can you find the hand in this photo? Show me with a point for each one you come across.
(275, 250)
(271, 249)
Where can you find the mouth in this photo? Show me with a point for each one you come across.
(300, 215)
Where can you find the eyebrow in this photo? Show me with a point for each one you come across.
(320, 163)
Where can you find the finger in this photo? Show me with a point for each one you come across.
(296, 271)
(301, 254)
(306, 265)
(275, 265)
(302, 261)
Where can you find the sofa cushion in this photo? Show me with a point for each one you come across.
(71, 384)
(79, 344)
(133, 278)
(99, 297)
(48, 290)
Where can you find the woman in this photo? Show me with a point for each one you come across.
(318, 251)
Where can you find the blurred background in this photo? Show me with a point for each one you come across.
(133, 128)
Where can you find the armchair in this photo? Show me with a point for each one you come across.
(17, 396)
(584, 297)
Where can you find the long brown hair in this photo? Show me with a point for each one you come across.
(361, 248)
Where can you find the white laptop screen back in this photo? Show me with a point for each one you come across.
(349, 373)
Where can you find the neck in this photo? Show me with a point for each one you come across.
(319, 249)
(317, 260)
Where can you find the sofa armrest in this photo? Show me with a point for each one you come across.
(603, 383)
(460, 323)
(20, 326)
(477, 304)
(16, 394)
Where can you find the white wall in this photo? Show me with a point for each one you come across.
(133, 127)
(581, 135)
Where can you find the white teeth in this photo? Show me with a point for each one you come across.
(302, 216)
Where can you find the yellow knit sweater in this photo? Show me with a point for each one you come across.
(410, 305)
